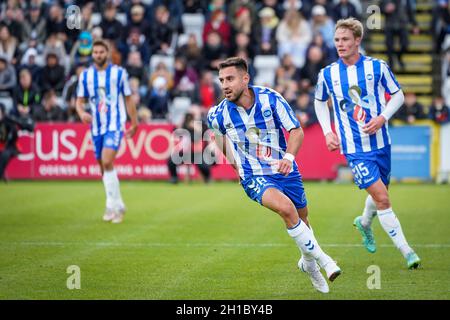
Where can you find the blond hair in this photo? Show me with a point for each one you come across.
(352, 24)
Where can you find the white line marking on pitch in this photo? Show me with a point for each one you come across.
(194, 244)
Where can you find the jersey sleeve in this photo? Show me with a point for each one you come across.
(322, 92)
(388, 80)
(213, 122)
(82, 91)
(126, 91)
(285, 113)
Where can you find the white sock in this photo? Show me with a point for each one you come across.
(370, 211)
(307, 243)
(112, 189)
(391, 225)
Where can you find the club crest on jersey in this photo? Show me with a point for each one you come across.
(267, 113)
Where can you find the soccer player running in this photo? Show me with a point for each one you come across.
(357, 85)
(249, 126)
(104, 85)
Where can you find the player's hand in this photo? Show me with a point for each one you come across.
(332, 141)
(86, 117)
(284, 166)
(374, 125)
(131, 131)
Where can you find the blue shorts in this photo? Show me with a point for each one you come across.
(291, 186)
(368, 167)
(110, 139)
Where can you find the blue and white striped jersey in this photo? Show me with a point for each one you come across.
(358, 95)
(105, 91)
(256, 135)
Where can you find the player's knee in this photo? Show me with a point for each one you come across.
(382, 202)
(108, 165)
(286, 210)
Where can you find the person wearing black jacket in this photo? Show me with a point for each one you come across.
(9, 127)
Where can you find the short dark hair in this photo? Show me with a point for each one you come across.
(237, 62)
(101, 42)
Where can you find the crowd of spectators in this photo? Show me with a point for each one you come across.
(43, 49)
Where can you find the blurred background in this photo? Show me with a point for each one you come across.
(171, 50)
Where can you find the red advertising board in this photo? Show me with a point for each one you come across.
(65, 151)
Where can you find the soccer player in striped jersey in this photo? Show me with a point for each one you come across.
(356, 85)
(249, 125)
(103, 86)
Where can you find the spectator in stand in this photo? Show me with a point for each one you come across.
(324, 24)
(192, 52)
(185, 79)
(137, 21)
(304, 109)
(398, 16)
(265, 32)
(49, 111)
(13, 18)
(81, 51)
(28, 61)
(9, 127)
(344, 9)
(411, 110)
(86, 16)
(26, 95)
(286, 72)
(213, 51)
(440, 23)
(54, 44)
(34, 24)
(243, 21)
(241, 14)
(190, 148)
(70, 94)
(251, 68)
(158, 100)
(136, 42)
(242, 42)
(208, 93)
(275, 5)
(8, 44)
(53, 74)
(195, 6)
(161, 70)
(329, 54)
(111, 27)
(163, 32)
(8, 80)
(136, 69)
(55, 20)
(218, 25)
(293, 35)
(310, 71)
(438, 111)
(290, 91)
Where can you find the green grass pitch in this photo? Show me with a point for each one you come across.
(193, 241)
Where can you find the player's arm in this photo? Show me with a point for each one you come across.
(393, 105)
(84, 116)
(132, 113)
(323, 116)
(82, 95)
(295, 141)
(223, 146)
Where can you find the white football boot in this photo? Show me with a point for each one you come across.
(118, 216)
(108, 215)
(332, 270)
(317, 279)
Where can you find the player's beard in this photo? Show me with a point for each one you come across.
(238, 96)
(100, 63)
